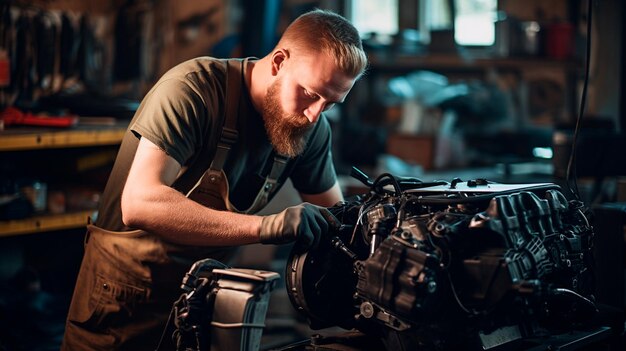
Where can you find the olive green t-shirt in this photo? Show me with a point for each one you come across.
(180, 114)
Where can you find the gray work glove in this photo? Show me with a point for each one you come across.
(304, 223)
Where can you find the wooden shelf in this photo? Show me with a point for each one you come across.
(45, 223)
(456, 61)
(34, 138)
(20, 138)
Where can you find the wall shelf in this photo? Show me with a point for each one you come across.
(45, 223)
(457, 61)
(31, 138)
(16, 139)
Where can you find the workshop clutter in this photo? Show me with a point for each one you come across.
(98, 49)
(14, 116)
(430, 117)
(46, 52)
(81, 49)
(26, 197)
(553, 38)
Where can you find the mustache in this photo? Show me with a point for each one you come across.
(298, 121)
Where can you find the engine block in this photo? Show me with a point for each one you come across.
(445, 265)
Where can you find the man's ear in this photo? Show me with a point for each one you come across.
(278, 59)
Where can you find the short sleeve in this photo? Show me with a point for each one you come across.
(173, 117)
(314, 171)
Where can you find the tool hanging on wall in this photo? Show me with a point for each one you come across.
(44, 52)
(14, 116)
(5, 44)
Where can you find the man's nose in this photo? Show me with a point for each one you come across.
(314, 111)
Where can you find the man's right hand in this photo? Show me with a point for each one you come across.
(304, 223)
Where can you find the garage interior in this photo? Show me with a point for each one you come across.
(468, 89)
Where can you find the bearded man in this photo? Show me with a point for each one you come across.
(209, 146)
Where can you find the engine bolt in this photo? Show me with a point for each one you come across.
(316, 339)
(367, 310)
(432, 286)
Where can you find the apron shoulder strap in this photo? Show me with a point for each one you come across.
(270, 186)
(229, 134)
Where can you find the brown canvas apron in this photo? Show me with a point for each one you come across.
(128, 281)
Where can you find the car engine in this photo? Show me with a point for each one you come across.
(449, 265)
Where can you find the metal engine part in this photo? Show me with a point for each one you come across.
(444, 265)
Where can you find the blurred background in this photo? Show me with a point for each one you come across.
(455, 88)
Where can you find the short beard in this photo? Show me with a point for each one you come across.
(286, 132)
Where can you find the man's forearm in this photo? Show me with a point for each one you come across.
(169, 214)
